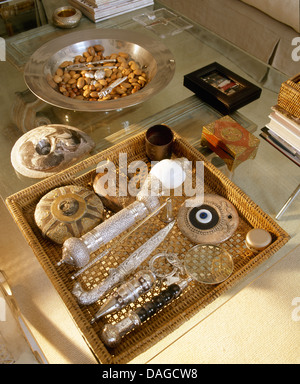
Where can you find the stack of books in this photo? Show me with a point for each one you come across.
(98, 10)
(283, 132)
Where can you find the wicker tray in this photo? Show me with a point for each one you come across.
(192, 300)
(289, 96)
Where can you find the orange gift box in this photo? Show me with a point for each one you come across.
(229, 140)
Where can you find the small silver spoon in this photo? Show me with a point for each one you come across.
(108, 90)
(81, 67)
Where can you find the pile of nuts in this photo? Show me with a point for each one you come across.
(79, 85)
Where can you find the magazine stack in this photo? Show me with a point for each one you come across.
(98, 10)
(283, 129)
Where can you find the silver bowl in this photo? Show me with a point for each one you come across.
(66, 17)
(148, 52)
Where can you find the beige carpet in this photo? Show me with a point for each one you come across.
(259, 325)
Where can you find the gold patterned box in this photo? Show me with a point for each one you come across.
(229, 140)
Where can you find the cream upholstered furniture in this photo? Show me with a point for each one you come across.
(264, 28)
(286, 11)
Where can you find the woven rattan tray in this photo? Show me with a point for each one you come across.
(192, 300)
(289, 96)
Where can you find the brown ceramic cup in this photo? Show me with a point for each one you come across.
(159, 142)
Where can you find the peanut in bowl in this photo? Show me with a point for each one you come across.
(93, 76)
(144, 63)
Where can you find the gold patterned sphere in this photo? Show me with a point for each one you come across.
(68, 211)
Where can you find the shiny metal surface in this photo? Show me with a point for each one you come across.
(66, 17)
(148, 52)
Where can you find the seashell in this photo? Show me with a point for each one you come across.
(69, 211)
(170, 172)
(46, 150)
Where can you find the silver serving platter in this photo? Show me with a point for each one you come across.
(147, 51)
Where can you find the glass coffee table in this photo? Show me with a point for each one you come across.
(268, 180)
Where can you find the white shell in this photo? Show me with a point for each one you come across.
(170, 173)
(46, 150)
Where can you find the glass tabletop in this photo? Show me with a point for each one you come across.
(192, 47)
(269, 179)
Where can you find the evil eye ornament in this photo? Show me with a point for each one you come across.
(212, 222)
(203, 216)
